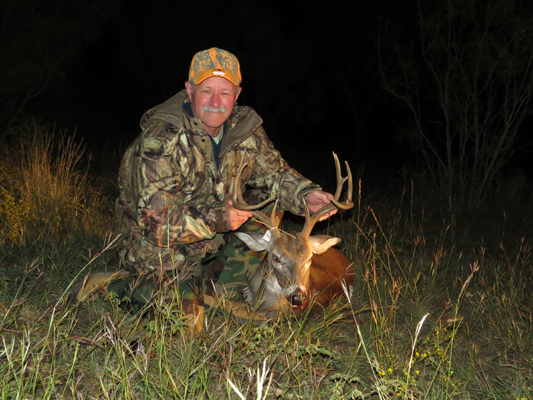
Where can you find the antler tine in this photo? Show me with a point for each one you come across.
(310, 221)
(348, 203)
(240, 204)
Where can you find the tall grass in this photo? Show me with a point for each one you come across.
(444, 328)
(45, 193)
(427, 317)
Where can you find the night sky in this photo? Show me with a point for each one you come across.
(297, 60)
(309, 69)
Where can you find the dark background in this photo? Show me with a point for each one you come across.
(309, 68)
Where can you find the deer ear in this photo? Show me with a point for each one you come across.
(320, 243)
(254, 240)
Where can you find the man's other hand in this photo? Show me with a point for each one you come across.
(234, 217)
(318, 199)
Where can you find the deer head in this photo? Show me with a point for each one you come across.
(282, 281)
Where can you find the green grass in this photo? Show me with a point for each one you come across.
(424, 322)
(435, 312)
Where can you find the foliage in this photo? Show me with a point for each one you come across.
(426, 320)
(466, 76)
(16, 215)
(44, 194)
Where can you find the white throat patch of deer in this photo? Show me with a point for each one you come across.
(299, 268)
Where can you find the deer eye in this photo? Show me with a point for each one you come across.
(276, 258)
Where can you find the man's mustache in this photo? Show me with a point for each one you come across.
(219, 109)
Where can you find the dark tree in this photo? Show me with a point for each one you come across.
(464, 69)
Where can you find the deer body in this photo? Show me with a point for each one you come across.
(329, 271)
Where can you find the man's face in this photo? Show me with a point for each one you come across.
(212, 101)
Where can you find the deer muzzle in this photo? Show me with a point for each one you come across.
(298, 298)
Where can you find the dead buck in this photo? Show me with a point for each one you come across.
(299, 269)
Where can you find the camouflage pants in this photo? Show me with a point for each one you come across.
(235, 265)
(225, 274)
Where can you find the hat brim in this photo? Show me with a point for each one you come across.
(219, 73)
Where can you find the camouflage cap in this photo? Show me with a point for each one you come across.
(215, 62)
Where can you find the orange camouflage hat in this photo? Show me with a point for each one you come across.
(215, 62)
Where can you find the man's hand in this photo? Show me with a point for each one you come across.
(318, 199)
(234, 217)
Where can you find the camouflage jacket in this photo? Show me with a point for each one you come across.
(171, 192)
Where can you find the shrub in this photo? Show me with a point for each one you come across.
(44, 192)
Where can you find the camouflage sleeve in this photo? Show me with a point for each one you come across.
(182, 224)
(285, 183)
(168, 209)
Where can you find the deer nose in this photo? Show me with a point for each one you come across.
(298, 298)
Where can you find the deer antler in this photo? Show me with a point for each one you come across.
(240, 204)
(310, 221)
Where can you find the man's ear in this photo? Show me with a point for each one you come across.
(189, 90)
(239, 89)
